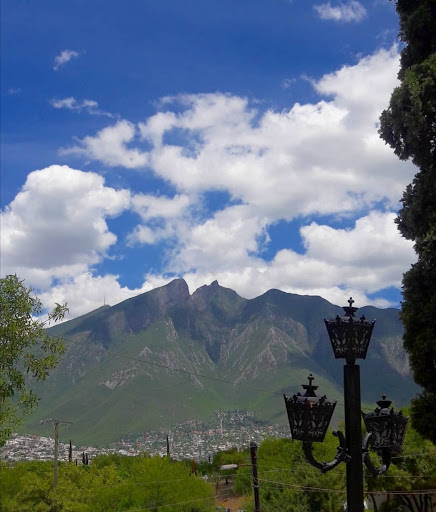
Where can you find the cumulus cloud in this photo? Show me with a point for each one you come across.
(110, 147)
(162, 218)
(221, 242)
(345, 12)
(276, 161)
(85, 292)
(359, 261)
(149, 206)
(71, 103)
(55, 227)
(64, 57)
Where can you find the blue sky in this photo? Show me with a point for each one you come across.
(233, 140)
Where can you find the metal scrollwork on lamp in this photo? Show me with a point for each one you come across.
(309, 417)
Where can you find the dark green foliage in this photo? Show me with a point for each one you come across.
(114, 483)
(289, 483)
(25, 350)
(417, 30)
(414, 469)
(424, 414)
(283, 472)
(409, 127)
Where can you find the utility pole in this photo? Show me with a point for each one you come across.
(253, 453)
(56, 424)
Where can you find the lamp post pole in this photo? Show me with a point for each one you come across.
(253, 453)
(353, 436)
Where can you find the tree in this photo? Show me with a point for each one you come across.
(111, 482)
(409, 127)
(414, 470)
(26, 350)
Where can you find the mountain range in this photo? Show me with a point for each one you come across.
(166, 356)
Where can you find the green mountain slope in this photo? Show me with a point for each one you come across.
(166, 356)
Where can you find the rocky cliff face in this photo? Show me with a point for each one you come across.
(162, 357)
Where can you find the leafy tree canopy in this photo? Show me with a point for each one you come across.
(110, 482)
(25, 350)
(408, 125)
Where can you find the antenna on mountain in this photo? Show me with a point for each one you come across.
(104, 300)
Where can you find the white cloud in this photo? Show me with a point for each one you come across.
(149, 207)
(346, 12)
(163, 218)
(224, 241)
(337, 263)
(110, 147)
(55, 227)
(277, 162)
(71, 103)
(84, 293)
(64, 57)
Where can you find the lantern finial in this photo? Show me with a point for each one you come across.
(310, 390)
(383, 403)
(349, 310)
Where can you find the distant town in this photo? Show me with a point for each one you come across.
(198, 440)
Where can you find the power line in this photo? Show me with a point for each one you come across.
(421, 454)
(303, 487)
(321, 489)
(172, 504)
(270, 469)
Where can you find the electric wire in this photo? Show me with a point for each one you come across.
(149, 484)
(172, 504)
(327, 490)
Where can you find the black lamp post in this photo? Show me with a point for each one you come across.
(310, 415)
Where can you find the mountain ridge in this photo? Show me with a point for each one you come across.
(166, 356)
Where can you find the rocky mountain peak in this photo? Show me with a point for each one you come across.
(202, 295)
(172, 293)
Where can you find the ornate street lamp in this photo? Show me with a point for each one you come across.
(385, 434)
(309, 415)
(348, 335)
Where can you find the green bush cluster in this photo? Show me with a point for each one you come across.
(110, 483)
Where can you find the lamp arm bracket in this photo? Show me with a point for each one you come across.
(385, 455)
(341, 455)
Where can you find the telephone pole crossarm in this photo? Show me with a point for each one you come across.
(56, 423)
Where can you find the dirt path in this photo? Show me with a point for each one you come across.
(226, 497)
